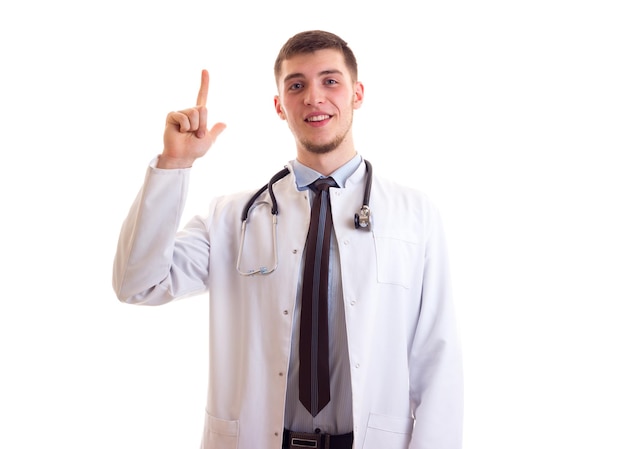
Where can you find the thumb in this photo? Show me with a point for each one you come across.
(216, 130)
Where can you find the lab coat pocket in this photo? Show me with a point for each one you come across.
(220, 433)
(397, 260)
(388, 432)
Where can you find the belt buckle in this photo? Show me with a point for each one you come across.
(300, 440)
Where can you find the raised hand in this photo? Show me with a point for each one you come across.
(186, 136)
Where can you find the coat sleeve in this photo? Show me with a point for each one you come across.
(154, 263)
(436, 383)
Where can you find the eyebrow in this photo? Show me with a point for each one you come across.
(322, 73)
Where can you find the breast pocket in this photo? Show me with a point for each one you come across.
(398, 261)
(220, 433)
(388, 432)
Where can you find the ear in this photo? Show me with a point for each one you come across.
(359, 92)
(278, 107)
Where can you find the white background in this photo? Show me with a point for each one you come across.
(510, 115)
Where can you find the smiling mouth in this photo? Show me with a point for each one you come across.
(317, 118)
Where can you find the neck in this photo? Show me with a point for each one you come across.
(327, 163)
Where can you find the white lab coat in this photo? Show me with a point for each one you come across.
(406, 366)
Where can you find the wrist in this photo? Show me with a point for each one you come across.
(167, 162)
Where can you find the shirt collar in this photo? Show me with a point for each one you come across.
(305, 175)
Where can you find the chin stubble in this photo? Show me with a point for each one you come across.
(324, 148)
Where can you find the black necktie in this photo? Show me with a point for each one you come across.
(314, 364)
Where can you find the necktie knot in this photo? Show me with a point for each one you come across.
(322, 184)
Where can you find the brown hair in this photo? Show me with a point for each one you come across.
(311, 41)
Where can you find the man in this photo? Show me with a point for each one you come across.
(360, 351)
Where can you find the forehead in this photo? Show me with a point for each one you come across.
(310, 65)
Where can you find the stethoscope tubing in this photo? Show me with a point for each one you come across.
(361, 219)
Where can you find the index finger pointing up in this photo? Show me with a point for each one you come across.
(204, 89)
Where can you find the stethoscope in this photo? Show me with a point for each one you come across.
(361, 218)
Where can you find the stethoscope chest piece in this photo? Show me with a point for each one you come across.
(362, 218)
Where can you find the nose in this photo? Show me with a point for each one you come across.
(314, 95)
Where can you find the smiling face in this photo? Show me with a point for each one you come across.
(317, 98)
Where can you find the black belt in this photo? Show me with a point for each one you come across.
(301, 440)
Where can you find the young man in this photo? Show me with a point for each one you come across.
(360, 351)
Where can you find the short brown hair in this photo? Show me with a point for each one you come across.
(311, 41)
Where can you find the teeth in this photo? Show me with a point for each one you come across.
(318, 118)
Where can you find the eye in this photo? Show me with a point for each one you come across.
(330, 81)
(295, 86)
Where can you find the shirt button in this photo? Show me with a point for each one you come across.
(285, 312)
(353, 302)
